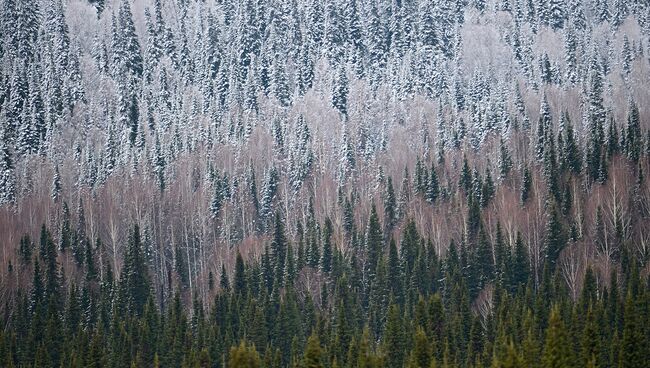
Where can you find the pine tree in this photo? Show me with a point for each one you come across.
(505, 160)
(483, 262)
(633, 136)
(526, 185)
(394, 273)
(433, 186)
(556, 14)
(126, 48)
(26, 249)
(159, 164)
(244, 356)
(554, 239)
(631, 348)
(465, 182)
(134, 284)
(56, 184)
(518, 269)
(239, 282)
(390, 204)
(180, 266)
(421, 354)
(597, 119)
(269, 192)
(487, 189)
(313, 353)
(571, 157)
(326, 258)
(340, 90)
(393, 338)
(66, 240)
(279, 86)
(557, 348)
(279, 249)
(374, 242)
(89, 260)
(7, 171)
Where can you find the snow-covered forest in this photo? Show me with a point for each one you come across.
(294, 146)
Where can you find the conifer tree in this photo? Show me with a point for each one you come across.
(433, 186)
(340, 91)
(313, 353)
(135, 284)
(526, 185)
(394, 339)
(505, 160)
(557, 348)
(554, 239)
(390, 204)
(239, 282)
(7, 171)
(374, 242)
(326, 258)
(279, 248)
(632, 344)
(244, 355)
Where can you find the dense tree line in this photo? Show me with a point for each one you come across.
(376, 307)
(324, 183)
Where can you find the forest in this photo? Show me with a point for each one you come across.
(324, 183)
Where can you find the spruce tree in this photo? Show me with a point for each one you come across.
(433, 186)
(554, 238)
(326, 257)
(244, 356)
(557, 348)
(239, 282)
(313, 353)
(526, 186)
(393, 342)
(374, 242)
(135, 285)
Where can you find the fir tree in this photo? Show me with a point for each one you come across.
(557, 349)
(326, 258)
(313, 353)
(374, 242)
(134, 284)
(554, 239)
(393, 341)
(244, 356)
(433, 186)
(390, 204)
(526, 186)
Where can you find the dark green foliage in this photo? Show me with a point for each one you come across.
(326, 259)
(374, 241)
(554, 238)
(557, 351)
(433, 186)
(66, 240)
(239, 283)
(244, 356)
(526, 185)
(408, 323)
(465, 182)
(278, 249)
(313, 354)
(180, 265)
(134, 287)
(26, 249)
(394, 340)
(505, 160)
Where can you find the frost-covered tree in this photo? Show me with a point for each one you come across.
(55, 192)
(7, 172)
(340, 90)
